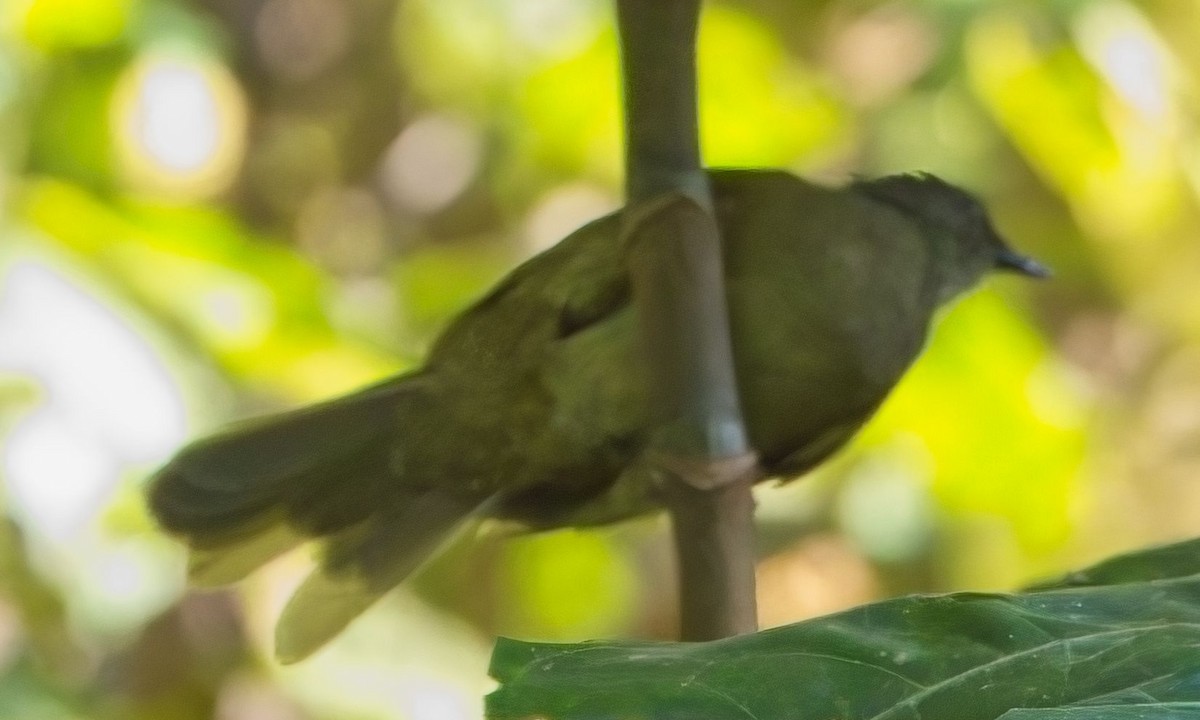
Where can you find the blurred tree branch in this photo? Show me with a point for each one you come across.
(700, 452)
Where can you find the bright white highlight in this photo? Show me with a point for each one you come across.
(57, 473)
(177, 117)
(181, 124)
(107, 400)
(1123, 47)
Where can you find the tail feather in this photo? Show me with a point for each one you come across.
(229, 563)
(361, 565)
(304, 467)
(318, 611)
(243, 497)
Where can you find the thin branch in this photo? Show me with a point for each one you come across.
(700, 450)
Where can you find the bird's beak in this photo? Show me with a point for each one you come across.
(1010, 261)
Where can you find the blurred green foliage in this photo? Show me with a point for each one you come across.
(210, 208)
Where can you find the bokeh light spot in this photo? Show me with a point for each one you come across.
(180, 125)
(237, 313)
(430, 163)
(244, 699)
(562, 210)
(553, 27)
(1123, 47)
(343, 229)
(820, 574)
(881, 52)
(124, 583)
(431, 698)
(886, 506)
(299, 38)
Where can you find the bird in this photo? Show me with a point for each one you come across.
(533, 404)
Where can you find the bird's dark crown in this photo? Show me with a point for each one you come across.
(963, 241)
(929, 198)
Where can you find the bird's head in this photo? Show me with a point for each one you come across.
(964, 244)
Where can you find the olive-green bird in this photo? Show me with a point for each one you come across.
(533, 404)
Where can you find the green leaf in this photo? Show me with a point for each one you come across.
(1157, 563)
(1129, 636)
(1161, 711)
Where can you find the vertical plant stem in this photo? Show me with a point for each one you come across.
(700, 450)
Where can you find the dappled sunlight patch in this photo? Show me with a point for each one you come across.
(992, 449)
(57, 25)
(567, 584)
(1110, 149)
(260, 309)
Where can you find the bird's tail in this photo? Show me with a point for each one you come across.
(324, 473)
